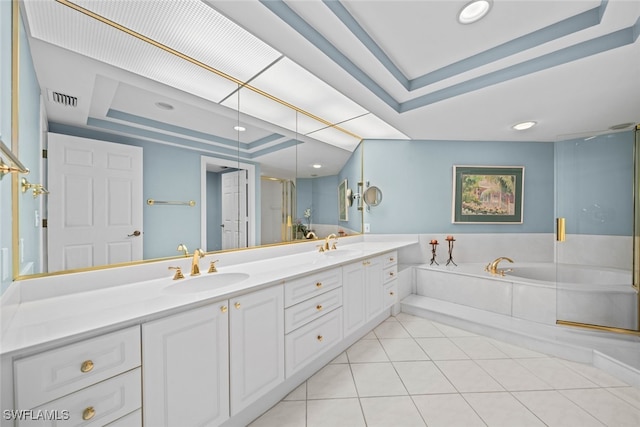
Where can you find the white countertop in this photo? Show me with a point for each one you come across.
(41, 323)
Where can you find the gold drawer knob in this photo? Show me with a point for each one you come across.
(88, 413)
(320, 337)
(87, 366)
(391, 259)
(223, 309)
(391, 293)
(318, 307)
(391, 273)
(237, 305)
(319, 285)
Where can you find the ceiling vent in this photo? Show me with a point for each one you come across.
(62, 99)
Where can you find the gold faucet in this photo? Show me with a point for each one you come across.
(183, 248)
(326, 242)
(195, 267)
(311, 235)
(492, 267)
(178, 274)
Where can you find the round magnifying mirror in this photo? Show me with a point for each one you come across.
(372, 196)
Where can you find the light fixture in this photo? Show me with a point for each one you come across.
(240, 128)
(474, 11)
(317, 166)
(164, 106)
(524, 125)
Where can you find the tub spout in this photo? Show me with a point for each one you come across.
(492, 267)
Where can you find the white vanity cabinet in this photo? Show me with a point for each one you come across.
(256, 335)
(367, 286)
(186, 368)
(313, 317)
(94, 381)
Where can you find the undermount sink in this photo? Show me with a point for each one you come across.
(340, 253)
(204, 283)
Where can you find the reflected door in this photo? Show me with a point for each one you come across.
(234, 210)
(95, 203)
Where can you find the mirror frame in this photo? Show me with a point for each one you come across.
(15, 180)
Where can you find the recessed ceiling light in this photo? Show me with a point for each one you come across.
(524, 125)
(164, 106)
(240, 128)
(317, 166)
(474, 11)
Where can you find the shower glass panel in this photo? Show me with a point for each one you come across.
(594, 187)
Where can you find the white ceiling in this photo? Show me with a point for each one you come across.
(375, 69)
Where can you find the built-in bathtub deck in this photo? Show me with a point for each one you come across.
(618, 355)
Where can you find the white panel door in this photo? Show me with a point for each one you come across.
(185, 368)
(95, 202)
(256, 345)
(234, 210)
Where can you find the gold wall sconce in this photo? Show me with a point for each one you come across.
(38, 189)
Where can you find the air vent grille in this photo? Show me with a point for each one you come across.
(63, 99)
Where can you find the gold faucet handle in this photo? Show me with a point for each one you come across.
(335, 244)
(320, 248)
(178, 274)
(212, 267)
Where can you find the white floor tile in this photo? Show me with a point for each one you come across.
(391, 412)
(421, 329)
(628, 394)
(512, 376)
(300, 393)
(478, 348)
(370, 336)
(441, 349)
(377, 379)
(605, 406)
(332, 381)
(555, 373)
(450, 331)
(467, 376)
(502, 409)
(447, 410)
(342, 358)
(403, 349)
(423, 378)
(391, 330)
(334, 413)
(594, 374)
(404, 317)
(514, 351)
(555, 410)
(367, 351)
(284, 414)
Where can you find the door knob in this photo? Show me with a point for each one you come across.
(134, 234)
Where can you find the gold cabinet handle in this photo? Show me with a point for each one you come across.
(237, 305)
(318, 307)
(318, 284)
(88, 413)
(320, 337)
(223, 309)
(87, 366)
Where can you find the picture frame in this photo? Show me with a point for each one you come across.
(343, 211)
(488, 194)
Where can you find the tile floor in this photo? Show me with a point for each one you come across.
(411, 371)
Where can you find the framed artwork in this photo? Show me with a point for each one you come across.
(487, 194)
(343, 212)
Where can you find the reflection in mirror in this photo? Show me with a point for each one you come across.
(187, 143)
(372, 196)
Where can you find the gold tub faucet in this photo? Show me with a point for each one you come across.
(492, 267)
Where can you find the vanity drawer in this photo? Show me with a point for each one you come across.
(390, 273)
(390, 293)
(390, 259)
(96, 405)
(306, 311)
(304, 288)
(310, 341)
(49, 375)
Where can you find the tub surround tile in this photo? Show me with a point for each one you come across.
(391, 412)
(447, 410)
(556, 410)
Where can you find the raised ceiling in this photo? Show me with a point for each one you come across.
(375, 69)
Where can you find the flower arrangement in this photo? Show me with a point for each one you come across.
(307, 215)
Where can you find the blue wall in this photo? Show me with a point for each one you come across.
(595, 184)
(416, 181)
(319, 194)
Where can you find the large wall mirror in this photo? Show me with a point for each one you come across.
(158, 159)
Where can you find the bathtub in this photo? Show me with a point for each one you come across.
(582, 294)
